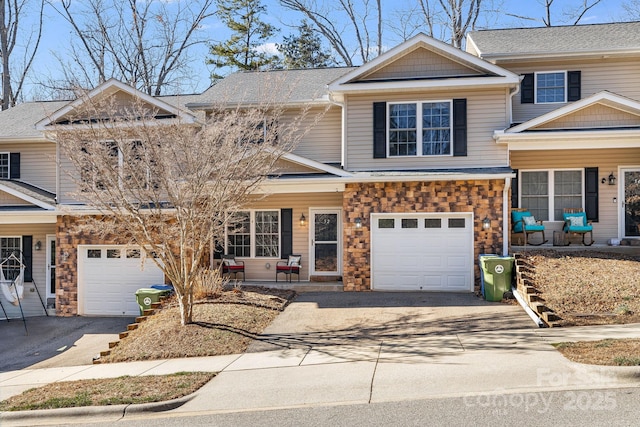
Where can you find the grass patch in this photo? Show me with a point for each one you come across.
(609, 352)
(110, 391)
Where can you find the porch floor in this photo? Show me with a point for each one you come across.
(302, 286)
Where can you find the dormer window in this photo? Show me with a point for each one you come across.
(551, 87)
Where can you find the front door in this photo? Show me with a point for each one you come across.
(326, 238)
(630, 202)
(51, 266)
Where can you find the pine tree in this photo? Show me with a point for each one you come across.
(304, 50)
(242, 50)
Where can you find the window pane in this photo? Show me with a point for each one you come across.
(550, 87)
(433, 223)
(267, 234)
(456, 223)
(567, 192)
(409, 223)
(94, 253)
(386, 223)
(113, 253)
(4, 165)
(535, 193)
(402, 130)
(436, 131)
(239, 237)
(8, 246)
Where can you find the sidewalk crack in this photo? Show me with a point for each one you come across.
(375, 368)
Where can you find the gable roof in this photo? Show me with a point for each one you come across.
(110, 87)
(521, 43)
(18, 123)
(488, 73)
(29, 193)
(531, 134)
(279, 86)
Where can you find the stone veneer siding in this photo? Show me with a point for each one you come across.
(483, 198)
(69, 234)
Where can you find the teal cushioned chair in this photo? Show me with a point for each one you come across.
(519, 225)
(575, 221)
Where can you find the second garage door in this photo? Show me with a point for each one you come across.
(428, 252)
(108, 278)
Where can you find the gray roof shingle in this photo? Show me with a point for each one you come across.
(622, 36)
(19, 121)
(249, 87)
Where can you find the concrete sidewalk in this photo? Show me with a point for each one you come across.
(376, 370)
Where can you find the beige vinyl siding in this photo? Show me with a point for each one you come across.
(593, 116)
(486, 112)
(30, 303)
(606, 160)
(37, 162)
(286, 167)
(255, 267)
(323, 140)
(67, 185)
(620, 76)
(421, 62)
(7, 199)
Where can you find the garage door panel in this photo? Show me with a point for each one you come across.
(108, 285)
(436, 259)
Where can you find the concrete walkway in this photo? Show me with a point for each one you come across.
(374, 353)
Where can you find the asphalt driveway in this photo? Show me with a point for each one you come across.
(56, 341)
(339, 318)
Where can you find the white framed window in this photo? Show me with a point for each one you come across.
(11, 245)
(420, 128)
(4, 166)
(255, 234)
(551, 87)
(546, 193)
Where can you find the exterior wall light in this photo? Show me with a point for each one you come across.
(303, 220)
(486, 223)
(611, 180)
(358, 223)
(38, 245)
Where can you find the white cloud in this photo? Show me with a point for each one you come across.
(269, 48)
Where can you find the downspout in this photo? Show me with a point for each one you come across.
(513, 93)
(505, 216)
(343, 129)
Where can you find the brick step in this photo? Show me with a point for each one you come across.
(105, 353)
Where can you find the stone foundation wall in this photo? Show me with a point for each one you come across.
(483, 198)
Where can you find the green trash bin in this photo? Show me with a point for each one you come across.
(147, 296)
(497, 272)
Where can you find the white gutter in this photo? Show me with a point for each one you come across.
(528, 310)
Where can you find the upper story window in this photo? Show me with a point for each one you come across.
(255, 234)
(4, 165)
(420, 129)
(551, 87)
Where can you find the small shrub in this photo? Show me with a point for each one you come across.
(627, 361)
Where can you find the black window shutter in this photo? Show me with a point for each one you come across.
(379, 130)
(460, 127)
(591, 193)
(573, 87)
(27, 257)
(526, 89)
(514, 190)
(14, 165)
(286, 232)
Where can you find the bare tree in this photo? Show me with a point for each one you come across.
(146, 44)
(571, 14)
(18, 47)
(451, 17)
(170, 187)
(361, 18)
(632, 10)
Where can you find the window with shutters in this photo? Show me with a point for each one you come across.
(420, 129)
(4, 166)
(551, 87)
(8, 246)
(547, 193)
(255, 234)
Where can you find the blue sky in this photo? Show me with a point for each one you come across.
(57, 31)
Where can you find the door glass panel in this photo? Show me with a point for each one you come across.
(326, 257)
(632, 203)
(52, 267)
(409, 223)
(386, 223)
(326, 227)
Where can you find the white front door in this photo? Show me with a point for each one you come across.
(51, 266)
(326, 242)
(630, 206)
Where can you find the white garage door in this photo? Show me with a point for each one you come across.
(109, 276)
(428, 252)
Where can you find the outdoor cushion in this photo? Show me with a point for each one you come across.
(293, 268)
(576, 221)
(229, 262)
(583, 229)
(294, 261)
(529, 220)
(516, 218)
(534, 227)
(235, 267)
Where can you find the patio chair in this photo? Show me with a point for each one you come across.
(523, 222)
(230, 265)
(575, 221)
(290, 266)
